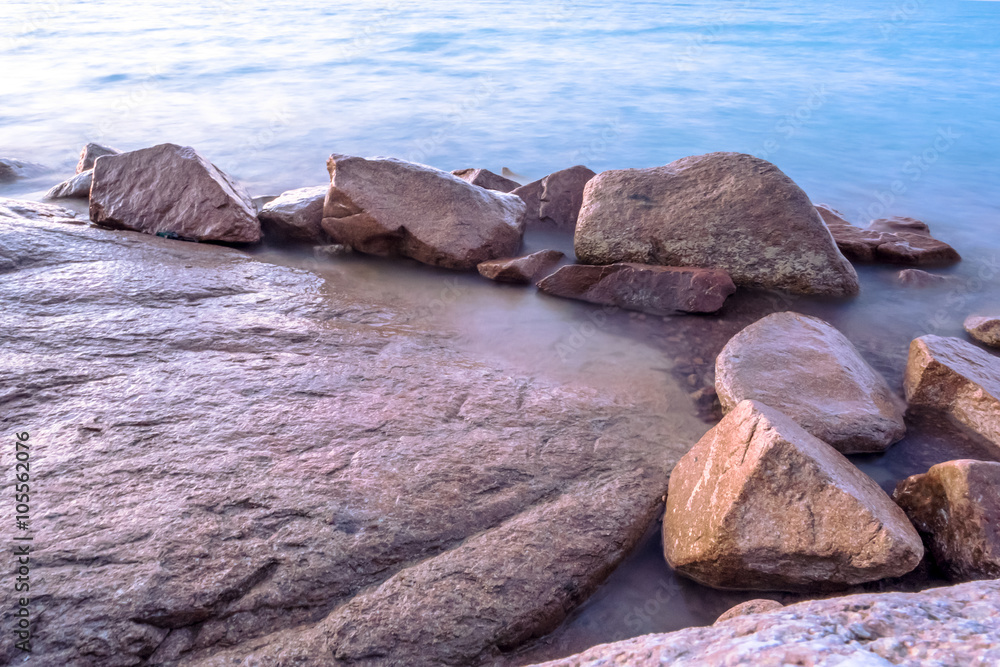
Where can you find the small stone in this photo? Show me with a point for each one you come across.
(77, 187)
(985, 329)
(296, 216)
(760, 606)
(332, 250)
(900, 224)
(918, 278)
(485, 178)
(521, 270)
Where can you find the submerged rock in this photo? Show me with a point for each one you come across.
(385, 206)
(808, 370)
(485, 178)
(89, 155)
(295, 216)
(21, 210)
(554, 201)
(956, 507)
(985, 329)
(12, 169)
(722, 210)
(171, 190)
(918, 278)
(759, 504)
(77, 187)
(658, 290)
(957, 378)
(900, 224)
(749, 607)
(906, 245)
(954, 626)
(521, 270)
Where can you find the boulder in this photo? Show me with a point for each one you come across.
(658, 290)
(12, 169)
(900, 224)
(385, 206)
(17, 209)
(905, 245)
(77, 187)
(485, 178)
(985, 329)
(722, 210)
(760, 606)
(759, 504)
(89, 155)
(956, 507)
(808, 370)
(955, 377)
(554, 201)
(521, 270)
(920, 279)
(953, 626)
(296, 216)
(171, 190)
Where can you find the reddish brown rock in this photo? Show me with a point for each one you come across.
(77, 187)
(905, 244)
(985, 329)
(809, 371)
(296, 216)
(918, 278)
(900, 224)
(554, 201)
(759, 504)
(385, 206)
(658, 290)
(955, 377)
(722, 210)
(521, 270)
(172, 189)
(956, 507)
(485, 178)
(90, 153)
(749, 607)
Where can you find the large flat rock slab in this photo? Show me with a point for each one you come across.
(951, 627)
(232, 462)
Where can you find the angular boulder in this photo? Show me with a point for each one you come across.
(521, 270)
(955, 377)
(956, 507)
(722, 210)
(903, 245)
(485, 178)
(295, 216)
(171, 189)
(77, 187)
(805, 368)
(985, 329)
(759, 504)
(658, 290)
(90, 153)
(554, 201)
(385, 206)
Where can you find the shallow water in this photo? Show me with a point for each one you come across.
(887, 109)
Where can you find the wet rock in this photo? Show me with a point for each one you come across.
(808, 370)
(332, 250)
(260, 201)
(295, 216)
(90, 153)
(759, 504)
(658, 290)
(17, 209)
(956, 507)
(485, 178)
(907, 244)
(920, 279)
(521, 270)
(955, 377)
(171, 190)
(749, 607)
(951, 626)
(240, 463)
(900, 224)
(12, 169)
(554, 201)
(985, 329)
(722, 210)
(385, 206)
(77, 187)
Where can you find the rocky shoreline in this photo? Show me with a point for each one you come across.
(364, 493)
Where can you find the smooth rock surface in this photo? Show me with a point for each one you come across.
(759, 504)
(236, 462)
(921, 279)
(900, 224)
(77, 187)
(521, 270)
(385, 206)
(727, 211)
(21, 210)
(749, 607)
(805, 368)
(172, 189)
(890, 240)
(985, 329)
(554, 201)
(658, 290)
(295, 216)
(953, 626)
(485, 178)
(955, 377)
(12, 169)
(956, 507)
(89, 155)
